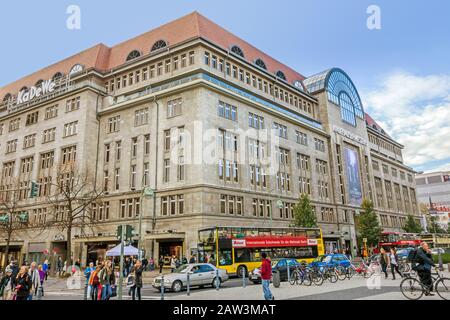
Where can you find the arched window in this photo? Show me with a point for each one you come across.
(260, 64)
(159, 45)
(38, 83)
(57, 76)
(281, 75)
(7, 97)
(24, 88)
(76, 68)
(238, 51)
(133, 55)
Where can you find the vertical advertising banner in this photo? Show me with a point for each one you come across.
(353, 179)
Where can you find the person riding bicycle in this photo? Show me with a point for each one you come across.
(423, 263)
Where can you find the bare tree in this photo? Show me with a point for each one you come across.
(71, 202)
(12, 219)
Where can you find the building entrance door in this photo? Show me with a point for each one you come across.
(169, 249)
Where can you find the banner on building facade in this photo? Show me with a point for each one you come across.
(353, 177)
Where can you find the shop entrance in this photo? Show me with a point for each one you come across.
(14, 253)
(170, 248)
(96, 252)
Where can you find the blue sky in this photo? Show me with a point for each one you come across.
(401, 71)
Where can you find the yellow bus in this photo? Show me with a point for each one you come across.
(238, 249)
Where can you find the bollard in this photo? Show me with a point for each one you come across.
(162, 287)
(244, 283)
(188, 288)
(217, 280)
(441, 264)
(288, 271)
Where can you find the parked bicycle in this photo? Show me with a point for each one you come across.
(301, 275)
(413, 289)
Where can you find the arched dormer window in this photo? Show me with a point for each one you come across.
(260, 63)
(159, 45)
(133, 55)
(238, 51)
(24, 88)
(7, 97)
(38, 83)
(76, 68)
(281, 75)
(57, 76)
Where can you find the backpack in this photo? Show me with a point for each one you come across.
(412, 255)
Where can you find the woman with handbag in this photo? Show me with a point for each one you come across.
(107, 280)
(137, 273)
(23, 284)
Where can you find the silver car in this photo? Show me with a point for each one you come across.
(200, 274)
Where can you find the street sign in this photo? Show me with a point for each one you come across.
(148, 192)
(280, 204)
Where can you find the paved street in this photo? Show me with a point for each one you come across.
(354, 289)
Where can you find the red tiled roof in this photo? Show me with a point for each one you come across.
(186, 28)
(374, 125)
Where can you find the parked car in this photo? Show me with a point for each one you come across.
(200, 274)
(277, 266)
(330, 260)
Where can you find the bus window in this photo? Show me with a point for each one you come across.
(225, 258)
(247, 255)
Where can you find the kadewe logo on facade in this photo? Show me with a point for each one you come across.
(35, 92)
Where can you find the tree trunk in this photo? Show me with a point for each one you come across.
(69, 246)
(6, 252)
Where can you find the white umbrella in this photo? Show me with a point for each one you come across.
(127, 251)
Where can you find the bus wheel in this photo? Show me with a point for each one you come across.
(241, 270)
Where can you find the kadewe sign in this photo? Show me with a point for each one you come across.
(273, 242)
(35, 92)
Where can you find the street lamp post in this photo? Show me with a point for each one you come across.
(147, 192)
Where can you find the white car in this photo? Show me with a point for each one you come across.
(200, 274)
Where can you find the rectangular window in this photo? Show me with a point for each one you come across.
(174, 108)
(255, 121)
(114, 124)
(14, 125)
(118, 150)
(181, 168)
(49, 135)
(73, 104)
(146, 174)
(51, 112)
(319, 144)
(107, 152)
(133, 177)
(69, 155)
(70, 129)
(134, 147)
(166, 170)
(47, 160)
(227, 111)
(301, 138)
(191, 58)
(141, 117)
(29, 141)
(11, 146)
(280, 130)
(147, 144)
(32, 118)
(117, 179)
(167, 138)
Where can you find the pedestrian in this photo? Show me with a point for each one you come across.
(15, 268)
(348, 253)
(184, 260)
(7, 284)
(107, 280)
(23, 284)
(161, 264)
(45, 269)
(94, 282)
(266, 276)
(137, 286)
(35, 280)
(87, 273)
(173, 264)
(59, 266)
(144, 263)
(394, 263)
(422, 263)
(192, 259)
(152, 264)
(42, 279)
(384, 261)
(65, 267)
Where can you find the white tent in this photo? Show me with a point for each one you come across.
(127, 251)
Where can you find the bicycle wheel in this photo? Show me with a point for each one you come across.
(406, 267)
(317, 278)
(294, 278)
(350, 272)
(411, 288)
(442, 288)
(332, 277)
(306, 279)
(341, 273)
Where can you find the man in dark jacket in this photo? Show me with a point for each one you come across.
(266, 276)
(424, 262)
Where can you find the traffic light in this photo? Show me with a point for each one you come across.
(34, 189)
(23, 217)
(129, 233)
(119, 232)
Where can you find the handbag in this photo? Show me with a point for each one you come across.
(130, 281)
(113, 292)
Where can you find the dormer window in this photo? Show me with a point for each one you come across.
(159, 45)
(281, 75)
(260, 64)
(133, 55)
(238, 51)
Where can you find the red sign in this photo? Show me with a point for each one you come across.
(270, 242)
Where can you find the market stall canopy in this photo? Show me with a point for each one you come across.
(128, 251)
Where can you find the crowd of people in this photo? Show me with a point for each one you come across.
(25, 282)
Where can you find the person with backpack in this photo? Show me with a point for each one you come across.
(45, 268)
(422, 263)
(94, 282)
(394, 263)
(384, 261)
(7, 284)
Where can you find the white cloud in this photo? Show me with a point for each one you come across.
(414, 110)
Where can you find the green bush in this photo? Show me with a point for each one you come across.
(445, 258)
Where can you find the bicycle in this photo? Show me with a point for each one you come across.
(300, 276)
(329, 273)
(413, 289)
(315, 275)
